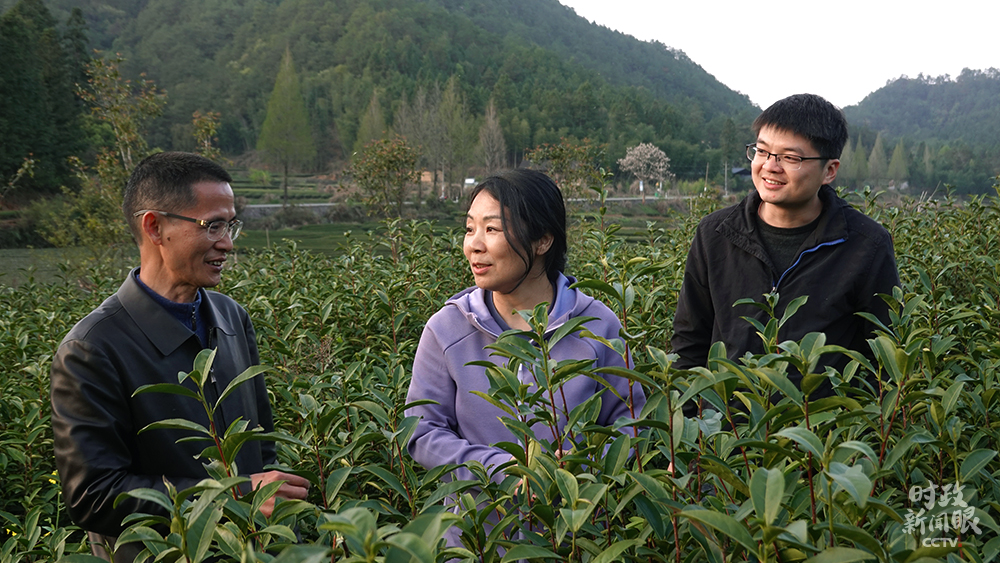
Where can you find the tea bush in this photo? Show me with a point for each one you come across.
(761, 473)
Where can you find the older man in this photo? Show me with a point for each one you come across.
(180, 209)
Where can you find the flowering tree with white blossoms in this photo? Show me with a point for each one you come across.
(647, 162)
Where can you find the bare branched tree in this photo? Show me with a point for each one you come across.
(459, 133)
(419, 122)
(491, 141)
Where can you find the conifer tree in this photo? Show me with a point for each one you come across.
(846, 170)
(77, 47)
(928, 163)
(39, 117)
(62, 105)
(459, 131)
(729, 143)
(877, 163)
(20, 88)
(372, 126)
(418, 122)
(898, 170)
(286, 139)
(859, 168)
(730, 146)
(91, 217)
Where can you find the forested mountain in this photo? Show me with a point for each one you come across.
(105, 18)
(944, 109)
(369, 66)
(619, 58)
(552, 73)
(949, 128)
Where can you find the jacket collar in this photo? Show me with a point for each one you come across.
(832, 223)
(568, 304)
(162, 329)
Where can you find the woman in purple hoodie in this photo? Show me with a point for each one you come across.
(515, 242)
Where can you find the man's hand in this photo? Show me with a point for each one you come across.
(293, 487)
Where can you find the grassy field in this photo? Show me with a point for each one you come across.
(48, 264)
(301, 189)
(18, 265)
(329, 238)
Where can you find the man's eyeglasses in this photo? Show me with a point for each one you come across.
(216, 230)
(787, 161)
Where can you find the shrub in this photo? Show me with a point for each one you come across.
(771, 476)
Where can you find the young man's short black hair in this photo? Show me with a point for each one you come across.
(811, 116)
(163, 182)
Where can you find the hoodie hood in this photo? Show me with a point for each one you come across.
(569, 303)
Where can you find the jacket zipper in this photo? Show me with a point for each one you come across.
(774, 285)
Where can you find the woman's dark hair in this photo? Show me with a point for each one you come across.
(532, 207)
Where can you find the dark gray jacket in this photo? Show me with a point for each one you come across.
(840, 266)
(131, 341)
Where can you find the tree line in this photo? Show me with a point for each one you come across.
(43, 117)
(224, 56)
(938, 130)
(471, 85)
(918, 167)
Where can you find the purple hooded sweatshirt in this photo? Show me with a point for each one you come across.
(462, 426)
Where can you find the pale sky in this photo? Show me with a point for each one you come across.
(841, 50)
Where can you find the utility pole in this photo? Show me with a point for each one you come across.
(725, 174)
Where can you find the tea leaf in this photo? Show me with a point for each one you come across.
(171, 388)
(177, 424)
(840, 555)
(614, 552)
(247, 374)
(522, 551)
(974, 462)
(851, 479)
(723, 524)
(804, 438)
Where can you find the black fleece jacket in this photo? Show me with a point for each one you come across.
(840, 267)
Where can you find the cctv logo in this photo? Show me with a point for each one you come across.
(940, 542)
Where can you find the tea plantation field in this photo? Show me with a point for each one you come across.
(904, 470)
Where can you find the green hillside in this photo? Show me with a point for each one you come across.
(619, 58)
(949, 127)
(552, 73)
(946, 109)
(369, 66)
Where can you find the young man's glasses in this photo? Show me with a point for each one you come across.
(215, 229)
(787, 161)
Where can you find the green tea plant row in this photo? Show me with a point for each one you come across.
(761, 473)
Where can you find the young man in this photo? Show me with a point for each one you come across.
(792, 235)
(180, 209)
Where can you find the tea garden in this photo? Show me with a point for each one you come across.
(904, 470)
